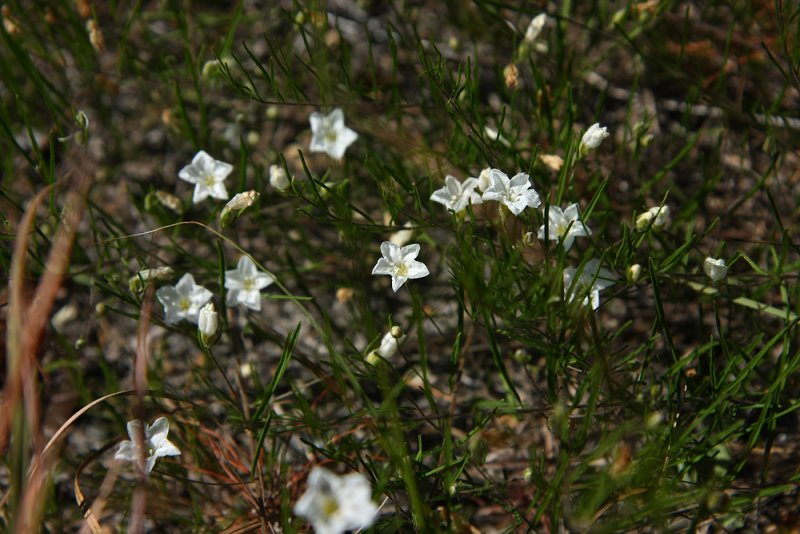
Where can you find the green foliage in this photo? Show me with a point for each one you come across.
(509, 405)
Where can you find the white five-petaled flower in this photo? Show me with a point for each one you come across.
(208, 175)
(334, 504)
(400, 264)
(329, 134)
(715, 269)
(183, 300)
(155, 443)
(593, 137)
(516, 193)
(455, 196)
(245, 283)
(589, 283)
(565, 225)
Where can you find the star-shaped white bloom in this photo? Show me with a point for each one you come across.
(591, 281)
(455, 196)
(183, 300)
(400, 264)
(515, 193)
(334, 504)
(155, 443)
(245, 283)
(329, 134)
(593, 137)
(208, 175)
(565, 225)
(715, 269)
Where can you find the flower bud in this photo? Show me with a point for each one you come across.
(656, 217)
(593, 137)
(235, 206)
(278, 178)
(535, 28)
(169, 201)
(137, 281)
(634, 273)
(485, 179)
(207, 324)
(715, 269)
(388, 347)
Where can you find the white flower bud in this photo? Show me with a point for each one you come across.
(236, 205)
(715, 269)
(135, 282)
(485, 179)
(535, 28)
(403, 236)
(634, 273)
(278, 178)
(207, 323)
(241, 201)
(656, 217)
(593, 137)
(169, 201)
(388, 346)
(662, 216)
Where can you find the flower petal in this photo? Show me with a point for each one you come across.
(397, 282)
(383, 267)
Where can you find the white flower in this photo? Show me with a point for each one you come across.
(593, 137)
(155, 444)
(208, 175)
(455, 196)
(278, 178)
(183, 300)
(329, 134)
(715, 269)
(485, 179)
(656, 216)
(400, 264)
(334, 504)
(208, 322)
(245, 283)
(565, 225)
(591, 281)
(535, 28)
(515, 193)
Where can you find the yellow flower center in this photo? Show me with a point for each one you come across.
(330, 136)
(184, 304)
(208, 180)
(401, 269)
(329, 506)
(248, 283)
